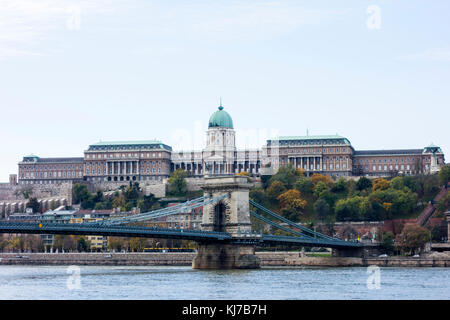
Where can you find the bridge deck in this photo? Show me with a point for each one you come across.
(114, 230)
(183, 234)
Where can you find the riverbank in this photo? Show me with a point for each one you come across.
(185, 259)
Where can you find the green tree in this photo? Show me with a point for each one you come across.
(412, 238)
(116, 243)
(83, 245)
(34, 204)
(80, 193)
(258, 195)
(411, 182)
(340, 186)
(63, 242)
(146, 203)
(177, 183)
(119, 202)
(53, 205)
(436, 234)
(136, 244)
(129, 206)
(322, 209)
(88, 203)
(402, 201)
(387, 242)
(364, 184)
(274, 190)
(97, 197)
(16, 243)
(444, 203)
(365, 209)
(100, 206)
(290, 214)
(287, 175)
(444, 174)
(348, 209)
(431, 186)
(397, 183)
(132, 193)
(320, 189)
(304, 185)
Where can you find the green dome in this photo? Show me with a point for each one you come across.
(220, 118)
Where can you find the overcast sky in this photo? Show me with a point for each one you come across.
(76, 72)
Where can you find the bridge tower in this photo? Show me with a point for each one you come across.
(231, 215)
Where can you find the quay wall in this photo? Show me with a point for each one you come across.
(185, 259)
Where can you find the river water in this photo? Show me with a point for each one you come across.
(154, 282)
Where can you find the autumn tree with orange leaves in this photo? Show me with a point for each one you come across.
(291, 204)
(317, 177)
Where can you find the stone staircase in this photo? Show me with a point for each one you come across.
(426, 214)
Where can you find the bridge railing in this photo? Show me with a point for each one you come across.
(84, 227)
(313, 234)
(183, 207)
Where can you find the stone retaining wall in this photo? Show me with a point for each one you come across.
(40, 191)
(133, 259)
(185, 259)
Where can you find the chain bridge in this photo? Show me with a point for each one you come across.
(226, 239)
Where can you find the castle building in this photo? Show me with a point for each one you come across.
(392, 162)
(154, 161)
(36, 170)
(335, 156)
(330, 155)
(127, 161)
(220, 156)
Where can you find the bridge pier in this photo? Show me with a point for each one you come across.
(225, 256)
(230, 215)
(358, 252)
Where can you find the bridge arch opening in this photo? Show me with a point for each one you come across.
(219, 217)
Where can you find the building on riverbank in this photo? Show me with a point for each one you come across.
(152, 160)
